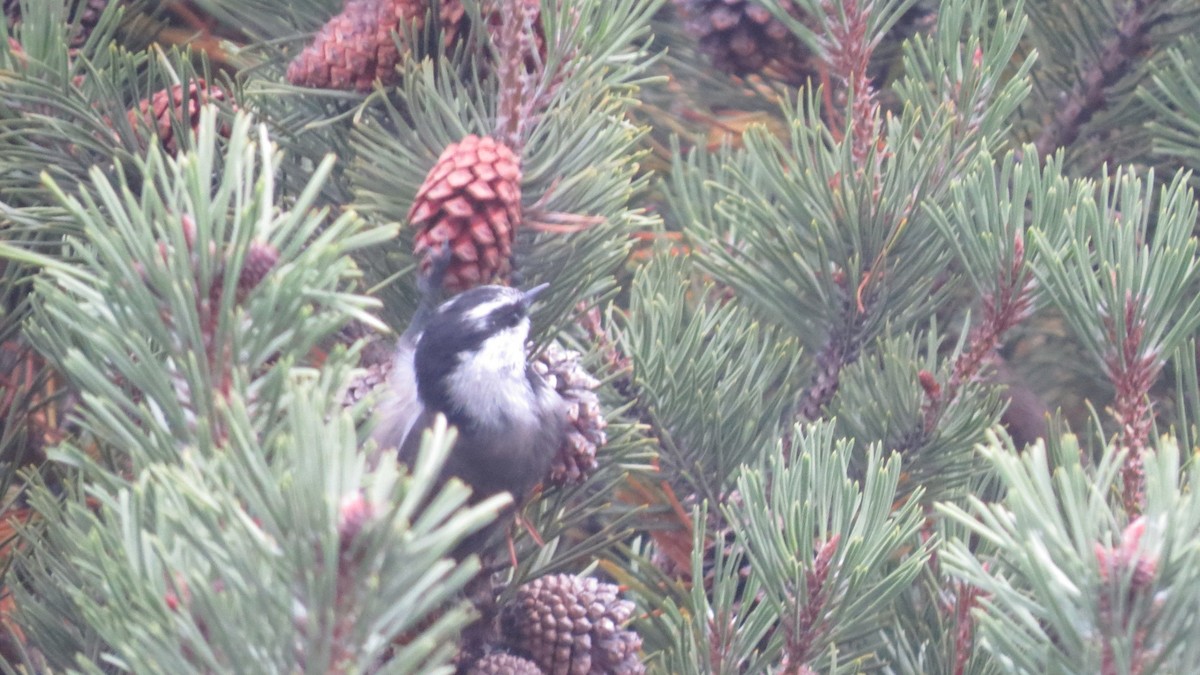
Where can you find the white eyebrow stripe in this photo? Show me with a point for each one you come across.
(481, 311)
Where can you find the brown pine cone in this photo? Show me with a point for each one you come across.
(372, 378)
(471, 202)
(356, 47)
(571, 625)
(168, 107)
(562, 371)
(89, 17)
(503, 663)
(378, 350)
(741, 37)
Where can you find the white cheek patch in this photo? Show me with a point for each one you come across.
(490, 383)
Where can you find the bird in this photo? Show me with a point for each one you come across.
(467, 360)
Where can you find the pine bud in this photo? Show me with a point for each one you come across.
(354, 513)
(261, 258)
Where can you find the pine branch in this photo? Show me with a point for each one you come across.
(985, 224)
(822, 569)
(716, 625)
(67, 112)
(182, 324)
(1120, 51)
(1075, 583)
(832, 242)
(842, 348)
(736, 374)
(1138, 289)
(885, 397)
(935, 631)
(1174, 95)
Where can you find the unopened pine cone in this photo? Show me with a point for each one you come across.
(174, 105)
(470, 202)
(741, 37)
(356, 47)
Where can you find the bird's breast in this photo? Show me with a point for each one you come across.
(492, 397)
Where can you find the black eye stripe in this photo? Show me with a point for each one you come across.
(507, 317)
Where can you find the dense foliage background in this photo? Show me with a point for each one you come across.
(876, 317)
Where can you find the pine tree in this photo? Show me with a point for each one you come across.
(817, 273)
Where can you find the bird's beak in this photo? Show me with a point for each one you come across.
(531, 294)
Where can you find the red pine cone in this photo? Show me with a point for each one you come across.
(356, 47)
(470, 201)
(168, 107)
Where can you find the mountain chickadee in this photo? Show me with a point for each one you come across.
(469, 363)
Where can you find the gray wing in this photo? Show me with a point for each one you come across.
(398, 411)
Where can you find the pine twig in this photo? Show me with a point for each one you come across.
(1133, 373)
(1117, 55)
(840, 350)
(966, 598)
(809, 628)
(527, 78)
(847, 54)
(1003, 309)
(514, 40)
(1116, 564)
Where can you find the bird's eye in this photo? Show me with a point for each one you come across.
(507, 317)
